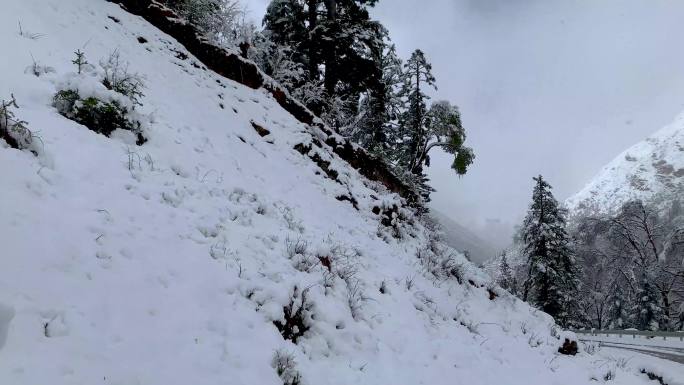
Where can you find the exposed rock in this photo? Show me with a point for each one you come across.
(568, 348)
(260, 129)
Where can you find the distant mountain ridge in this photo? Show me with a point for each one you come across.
(460, 238)
(650, 169)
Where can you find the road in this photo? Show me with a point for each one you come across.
(674, 354)
(670, 356)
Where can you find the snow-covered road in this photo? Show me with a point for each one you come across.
(672, 355)
(668, 348)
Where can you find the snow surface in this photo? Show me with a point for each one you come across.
(651, 167)
(616, 361)
(168, 263)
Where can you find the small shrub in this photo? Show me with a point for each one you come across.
(383, 288)
(342, 261)
(80, 61)
(409, 283)
(292, 222)
(295, 321)
(100, 116)
(28, 34)
(653, 377)
(355, 299)
(304, 262)
(524, 328)
(491, 292)
(285, 365)
(609, 376)
(534, 341)
(12, 130)
(295, 247)
(118, 79)
(591, 347)
(36, 69)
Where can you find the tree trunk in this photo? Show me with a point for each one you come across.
(666, 310)
(331, 51)
(313, 23)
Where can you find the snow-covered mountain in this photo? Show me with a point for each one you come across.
(646, 171)
(233, 247)
(461, 238)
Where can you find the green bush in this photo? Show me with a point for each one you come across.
(100, 116)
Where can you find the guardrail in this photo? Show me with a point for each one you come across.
(633, 333)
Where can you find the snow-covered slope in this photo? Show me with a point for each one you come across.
(175, 262)
(645, 171)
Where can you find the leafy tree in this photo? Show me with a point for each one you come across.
(424, 129)
(444, 130)
(553, 275)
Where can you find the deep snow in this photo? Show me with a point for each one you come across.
(168, 263)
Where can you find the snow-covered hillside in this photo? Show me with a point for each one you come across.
(646, 170)
(213, 255)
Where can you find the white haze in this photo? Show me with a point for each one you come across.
(552, 87)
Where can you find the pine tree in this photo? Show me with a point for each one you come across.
(646, 312)
(506, 279)
(553, 275)
(418, 78)
(330, 35)
(285, 26)
(217, 19)
(618, 308)
(375, 127)
(679, 325)
(282, 68)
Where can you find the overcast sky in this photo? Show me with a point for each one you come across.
(557, 87)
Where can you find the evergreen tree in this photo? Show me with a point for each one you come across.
(285, 26)
(330, 35)
(418, 78)
(506, 279)
(679, 324)
(646, 312)
(618, 308)
(217, 19)
(375, 127)
(553, 275)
